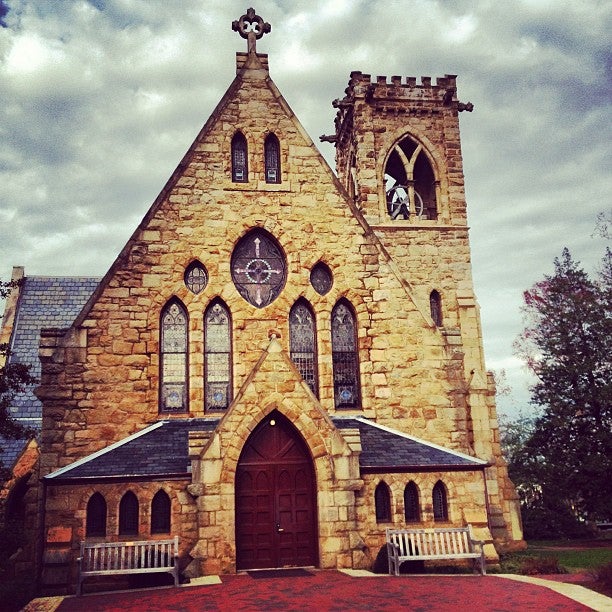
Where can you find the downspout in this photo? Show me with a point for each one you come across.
(486, 491)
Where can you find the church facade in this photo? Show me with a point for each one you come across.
(282, 362)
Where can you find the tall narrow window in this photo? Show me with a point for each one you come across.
(303, 343)
(217, 357)
(344, 356)
(412, 511)
(272, 159)
(173, 361)
(382, 501)
(128, 514)
(96, 516)
(240, 170)
(160, 513)
(435, 307)
(440, 504)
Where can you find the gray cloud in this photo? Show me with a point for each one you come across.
(99, 100)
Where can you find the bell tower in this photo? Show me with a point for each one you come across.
(398, 151)
(398, 154)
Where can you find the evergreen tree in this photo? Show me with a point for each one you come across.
(566, 344)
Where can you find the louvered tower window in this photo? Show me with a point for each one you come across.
(435, 307)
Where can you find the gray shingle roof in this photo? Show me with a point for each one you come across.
(44, 301)
(384, 450)
(162, 450)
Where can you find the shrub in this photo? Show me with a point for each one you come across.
(531, 566)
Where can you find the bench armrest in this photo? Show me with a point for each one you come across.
(393, 558)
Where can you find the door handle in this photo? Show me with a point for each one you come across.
(279, 529)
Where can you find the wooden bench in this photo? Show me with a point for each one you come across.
(433, 545)
(113, 558)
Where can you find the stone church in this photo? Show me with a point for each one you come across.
(282, 361)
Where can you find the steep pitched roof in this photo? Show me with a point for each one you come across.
(44, 301)
(162, 451)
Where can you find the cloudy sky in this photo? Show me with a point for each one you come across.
(99, 100)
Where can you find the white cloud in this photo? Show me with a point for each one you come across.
(101, 98)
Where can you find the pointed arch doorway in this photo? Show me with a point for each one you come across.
(276, 508)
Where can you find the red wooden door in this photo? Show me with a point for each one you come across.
(276, 521)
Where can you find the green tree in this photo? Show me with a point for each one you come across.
(566, 344)
(14, 377)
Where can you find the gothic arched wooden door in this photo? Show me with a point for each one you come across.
(276, 509)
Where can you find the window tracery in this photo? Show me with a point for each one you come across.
(217, 357)
(410, 184)
(196, 277)
(173, 358)
(259, 268)
(303, 343)
(344, 356)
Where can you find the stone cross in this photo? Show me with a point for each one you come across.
(251, 27)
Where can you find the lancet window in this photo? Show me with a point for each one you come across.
(440, 502)
(160, 513)
(344, 356)
(173, 358)
(303, 343)
(217, 357)
(240, 168)
(272, 159)
(410, 183)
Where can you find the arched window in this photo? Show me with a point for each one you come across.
(382, 501)
(95, 523)
(440, 504)
(240, 170)
(410, 183)
(435, 307)
(272, 159)
(217, 357)
(128, 514)
(344, 356)
(412, 510)
(303, 343)
(160, 513)
(173, 358)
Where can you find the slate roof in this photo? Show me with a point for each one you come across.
(162, 451)
(386, 450)
(44, 301)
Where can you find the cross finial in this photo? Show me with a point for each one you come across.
(251, 27)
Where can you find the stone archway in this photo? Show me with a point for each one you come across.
(276, 500)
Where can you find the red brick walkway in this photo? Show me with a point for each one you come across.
(318, 591)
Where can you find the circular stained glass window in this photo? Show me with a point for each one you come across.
(196, 277)
(259, 268)
(321, 278)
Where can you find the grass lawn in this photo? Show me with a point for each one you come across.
(570, 557)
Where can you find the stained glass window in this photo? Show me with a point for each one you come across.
(128, 514)
(96, 516)
(272, 159)
(321, 278)
(412, 510)
(259, 268)
(240, 169)
(217, 357)
(435, 307)
(344, 357)
(173, 358)
(160, 513)
(303, 343)
(196, 277)
(440, 505)
(382, 502)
